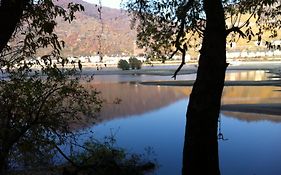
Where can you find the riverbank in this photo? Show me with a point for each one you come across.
(260, 109)
(189, 68)
(168, 70)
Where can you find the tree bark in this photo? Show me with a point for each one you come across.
(3, 162)
(10, 15)
(200, 154)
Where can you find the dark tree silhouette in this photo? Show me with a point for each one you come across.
(171, 26)
(39, 108)
(10, 14)
(168, 26)
(201, 146)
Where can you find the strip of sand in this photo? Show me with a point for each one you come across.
(269, 109)
(227, 83)
(252, 117)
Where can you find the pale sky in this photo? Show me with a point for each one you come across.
(107, 3)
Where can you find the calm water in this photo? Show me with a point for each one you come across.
(153, 116)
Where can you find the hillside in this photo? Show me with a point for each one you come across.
(82, 36)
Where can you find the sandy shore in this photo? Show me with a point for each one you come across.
(269, 109)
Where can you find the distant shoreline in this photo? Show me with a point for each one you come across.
(189, 68)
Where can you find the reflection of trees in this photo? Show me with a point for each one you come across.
(136, 99)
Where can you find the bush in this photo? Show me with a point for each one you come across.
(123, 64)
(103, 158)
(135, 63)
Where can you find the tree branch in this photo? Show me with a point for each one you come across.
(181, 15)
(183, 51)
(248, 20)
(235, 29)
(65, 156)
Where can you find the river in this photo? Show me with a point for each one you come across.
(154, 117)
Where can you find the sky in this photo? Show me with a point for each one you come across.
(107, 3)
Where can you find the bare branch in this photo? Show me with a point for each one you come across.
(66, 157)
(235, 29)
(174, 53)
(183, 51)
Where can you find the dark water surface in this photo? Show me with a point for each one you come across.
(154, 116)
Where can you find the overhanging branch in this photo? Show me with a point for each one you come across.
(183, 51)
(235, 29)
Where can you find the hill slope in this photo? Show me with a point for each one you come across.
(82, 36)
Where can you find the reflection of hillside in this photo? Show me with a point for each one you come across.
(251, 95)
(136, 99)
(139, 99)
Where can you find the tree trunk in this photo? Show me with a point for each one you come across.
(10, 14)
(200, 154)
(3, 162)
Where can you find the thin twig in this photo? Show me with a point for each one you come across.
(183, 51)
(65, 156)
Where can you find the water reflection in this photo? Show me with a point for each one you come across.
(251, 148)
(137, 78)
(251, 95)
(155, 117)
(247, 75)
(138, 99)
(162, 129)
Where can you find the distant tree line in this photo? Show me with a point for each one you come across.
(133, 63)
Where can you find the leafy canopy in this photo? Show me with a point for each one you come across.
(167, 27)
(41, 100)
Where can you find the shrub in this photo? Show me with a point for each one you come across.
(135, 63)
(123, 64)
(103, 158)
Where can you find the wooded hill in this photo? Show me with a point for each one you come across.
(82, 35)
(112, 35)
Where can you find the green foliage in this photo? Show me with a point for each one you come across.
(40, 100)
(135, 63)
(123, 64)
(166, 27)
(36, 113)
(106, 159)
(36, 32)
(159, 23)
